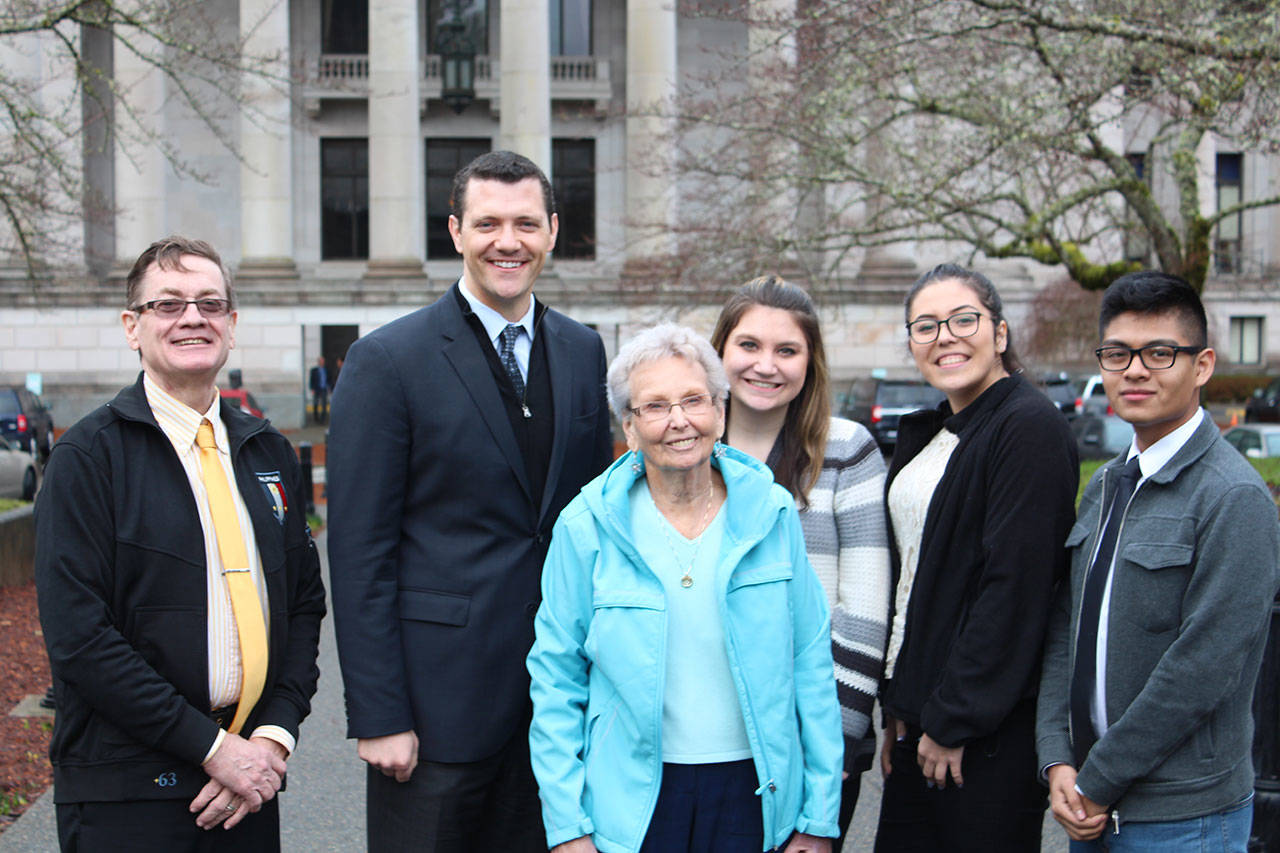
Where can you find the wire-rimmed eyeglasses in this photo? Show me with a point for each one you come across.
(1115, 358)
(656, 410)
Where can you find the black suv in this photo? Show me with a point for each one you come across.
(879, 407)
(25, 421)
(1264, 405)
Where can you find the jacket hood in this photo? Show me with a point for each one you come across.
(753, 503)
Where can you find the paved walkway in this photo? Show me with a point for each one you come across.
(323, 809)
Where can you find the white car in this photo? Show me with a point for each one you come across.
(19, 472)
(1093, 398)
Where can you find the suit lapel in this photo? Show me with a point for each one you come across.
(463, 353)
(560, 371)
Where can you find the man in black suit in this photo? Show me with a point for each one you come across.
(461, 432)
(319, 383)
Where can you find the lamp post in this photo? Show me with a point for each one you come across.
(457, 60)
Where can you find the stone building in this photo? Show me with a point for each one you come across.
(332, 218)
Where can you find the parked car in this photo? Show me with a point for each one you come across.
(1101, 436)
(19, 472)
(1061, 390)
(25, 421)
(1256, 441)
(887, 400)
(241, 399)
(1264, 406)
(1093, 397)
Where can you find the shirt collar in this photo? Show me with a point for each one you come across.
(492, 321)
(1158, 454)
(179, 422)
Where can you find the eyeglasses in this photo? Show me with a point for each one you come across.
(178, 307)
(1114, 359)
(698, 404)
(962, 325)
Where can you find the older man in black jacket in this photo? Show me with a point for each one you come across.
(180, 592)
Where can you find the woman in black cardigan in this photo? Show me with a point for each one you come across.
(980, 498)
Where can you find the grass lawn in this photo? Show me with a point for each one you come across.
(1269, 469)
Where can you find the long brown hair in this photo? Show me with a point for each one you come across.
(804, 432)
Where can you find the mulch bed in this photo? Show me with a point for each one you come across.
(24, 669)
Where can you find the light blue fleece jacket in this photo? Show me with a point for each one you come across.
(598, 664)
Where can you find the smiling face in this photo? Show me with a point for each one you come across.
(504, 237)
(187, 351)
(767, 359)
(678, 442)
(961, 368)
(1156, 402)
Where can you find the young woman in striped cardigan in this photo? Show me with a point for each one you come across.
(779, 411)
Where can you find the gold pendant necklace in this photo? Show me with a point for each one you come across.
(686, 580)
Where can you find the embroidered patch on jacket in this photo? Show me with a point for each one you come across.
(274, 487)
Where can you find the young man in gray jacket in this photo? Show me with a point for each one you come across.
(1144, 725)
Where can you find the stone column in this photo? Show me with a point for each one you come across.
(651, 81)
(396, 182)
(140, 166)
(525, 84)
(266, 169)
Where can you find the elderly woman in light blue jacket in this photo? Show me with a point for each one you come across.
(682, 678)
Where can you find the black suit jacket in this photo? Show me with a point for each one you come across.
(435, 542)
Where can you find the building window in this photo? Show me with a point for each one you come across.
(444, 158)
(573, 177)
(1246, 340)
(570, 27)
(1227, 244)
(344, 26)
(475, 14)
(344, 198)
(1137, 243)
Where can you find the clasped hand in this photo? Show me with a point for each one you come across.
(243, 774)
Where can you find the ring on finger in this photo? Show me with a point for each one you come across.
(231, 807)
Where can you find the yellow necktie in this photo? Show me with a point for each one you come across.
(245, 604)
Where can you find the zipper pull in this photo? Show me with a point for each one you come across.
(1115, 819)
(524, 407)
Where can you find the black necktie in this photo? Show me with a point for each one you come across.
(1083, 679)
(507, 354)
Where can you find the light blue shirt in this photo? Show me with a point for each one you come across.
(494, 323)
(701, 718)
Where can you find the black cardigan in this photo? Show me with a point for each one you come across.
(991, 555)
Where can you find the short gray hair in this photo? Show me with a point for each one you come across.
(663, 341)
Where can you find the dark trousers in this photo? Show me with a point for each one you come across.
(479, 805)
(151, 826)
(320, 405)
(1000, 808)
(706, 808)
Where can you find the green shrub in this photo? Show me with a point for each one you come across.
(1232, 388)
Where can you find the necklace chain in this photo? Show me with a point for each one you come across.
(686, 580)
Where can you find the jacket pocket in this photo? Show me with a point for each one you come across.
(1156, 574)
(755, 575)
(423, 605)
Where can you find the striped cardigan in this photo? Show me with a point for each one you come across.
(846, 540)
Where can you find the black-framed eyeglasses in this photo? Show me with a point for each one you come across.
(961, 325)
(696, 404)
(1114, 359)
(176, 307)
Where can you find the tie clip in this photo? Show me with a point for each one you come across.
(229, 571)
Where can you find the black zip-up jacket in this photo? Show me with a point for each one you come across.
(992, 552)
(120, 571)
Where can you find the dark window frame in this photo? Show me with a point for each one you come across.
(344, 240)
